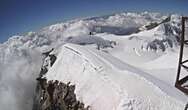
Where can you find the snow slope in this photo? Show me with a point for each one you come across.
(104, 82)
(117, 68)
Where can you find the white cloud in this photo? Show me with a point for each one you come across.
(17, 81)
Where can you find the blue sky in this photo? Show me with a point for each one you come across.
(20, 16)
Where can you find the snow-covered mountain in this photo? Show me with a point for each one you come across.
(124, 61)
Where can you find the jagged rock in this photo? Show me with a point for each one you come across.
(55, 95)
(49, 60)
(43, 71)
(52, 59)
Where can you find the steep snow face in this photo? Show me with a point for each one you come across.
(162, 37)
(85, 85)
(106, 83)
(118, 35)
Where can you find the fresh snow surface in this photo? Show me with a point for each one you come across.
(105, 82)
(117, 68)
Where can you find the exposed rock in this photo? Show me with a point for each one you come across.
(55, 95)
(155, 24)
(52, 59)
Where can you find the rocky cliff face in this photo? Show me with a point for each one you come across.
(54, 95)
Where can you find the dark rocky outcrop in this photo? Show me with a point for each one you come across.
(55, 95)
(155, 24)
(52, 59)
(151, 25)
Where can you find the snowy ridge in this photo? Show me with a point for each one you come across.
(111, 78)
